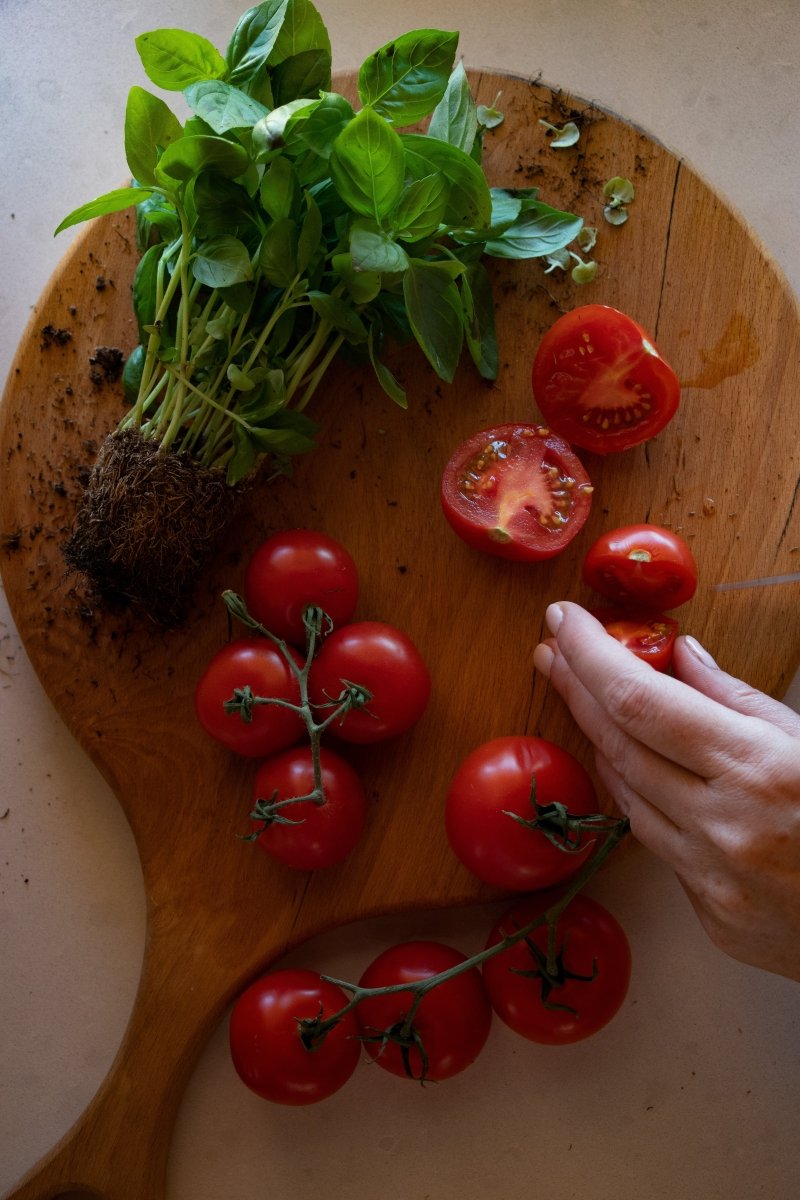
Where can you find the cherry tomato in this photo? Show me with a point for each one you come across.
(648, 635)
(293, 569)
(381, 659)
(257, 664)
(516, 491)
(451, 1024)
(642, 564)
(320, 834)
(600, 382)
(495, 780)
(266, 1042)
(591, 978)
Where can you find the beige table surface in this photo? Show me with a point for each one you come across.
(694, 1092)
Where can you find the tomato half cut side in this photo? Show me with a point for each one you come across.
(650, 636)
(641, 564)
(600, 382)
(516, 491)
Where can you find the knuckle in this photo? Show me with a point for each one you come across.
(628, 700)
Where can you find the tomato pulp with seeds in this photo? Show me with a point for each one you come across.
(516, 491)
(600, 382)
(650, 636)
(641, 564)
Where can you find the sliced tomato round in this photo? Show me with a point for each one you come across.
(650, 636)
(516, 491)
(600, 382)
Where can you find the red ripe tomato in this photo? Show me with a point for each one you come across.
(516, 491)
(385, 662)
(650, 636)
(267, 1046)
(600, 382)
(495, 780)
(293, 569)
(593, 970)
(255, 663)
(642, 564)
(451, 1024)
(324, 833)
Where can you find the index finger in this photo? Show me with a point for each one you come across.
(668, 716)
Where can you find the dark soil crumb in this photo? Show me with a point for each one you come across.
(51, 336)
(107, 363)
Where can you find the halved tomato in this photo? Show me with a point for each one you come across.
(516, 491)
(648, 635)
(600, 382)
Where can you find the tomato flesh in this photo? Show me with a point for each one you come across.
(600, 382)
(594, 969)
(642, 564)
(516, 491)
(650, 636)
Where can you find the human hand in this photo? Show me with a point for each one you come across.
(708, 771)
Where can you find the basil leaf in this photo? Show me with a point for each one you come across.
(362, 286)
(385, 377)
(367, 165)
(277, 256)
(253, 40)
(420, 209)
(302, 29)
(221, 206)
(173, 58)
(187, 157)
(223, 107)
(372, 249)
(455, 118)
(150, 126)
(340, 315)
(539, 230)
(143, 289)
(318, 127)
(435, 313)
(405, 79)
(469, 202)
(287, 432)
(269, 131)
(310, 241)
(221, 262)
(279, 191)
(479, 323)
(132, 374)
(110, 202)
(304, 74)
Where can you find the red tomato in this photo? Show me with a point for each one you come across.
(293, 569)
(495, 780)
(648, 635)
(572, 1005)
(600, 382)
(255, 663)
(642, 564)
(381, 659)
(324, 833)
(266, 1042)
(516, 491)
(452, 1022)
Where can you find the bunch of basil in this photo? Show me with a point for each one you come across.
(279, 225)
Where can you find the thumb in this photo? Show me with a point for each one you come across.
(694, 665)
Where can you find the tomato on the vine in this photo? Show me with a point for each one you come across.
(589, 982)
(516, 491)
(296, 568)
(600, 382)
(449, 1028)
(650, 636)
(266, 1038)
(641, 564)
(384, 661)
(254, 663)
(496, 780)
(317, 834)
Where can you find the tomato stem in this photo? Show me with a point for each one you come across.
(317, 624)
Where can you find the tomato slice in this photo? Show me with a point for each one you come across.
(516, 491)
(648, 635)
(641, 565)
(600, 382)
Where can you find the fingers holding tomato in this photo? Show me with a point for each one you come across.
(650, 636)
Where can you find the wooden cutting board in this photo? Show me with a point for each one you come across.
(724, 474)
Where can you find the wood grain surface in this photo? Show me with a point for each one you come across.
(724, 474)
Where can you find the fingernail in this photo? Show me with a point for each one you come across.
(554, 616)
(543, 659)
(700, 653)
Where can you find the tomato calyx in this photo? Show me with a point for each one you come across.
(406, 1037)
(553, 973)
(563, 829)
